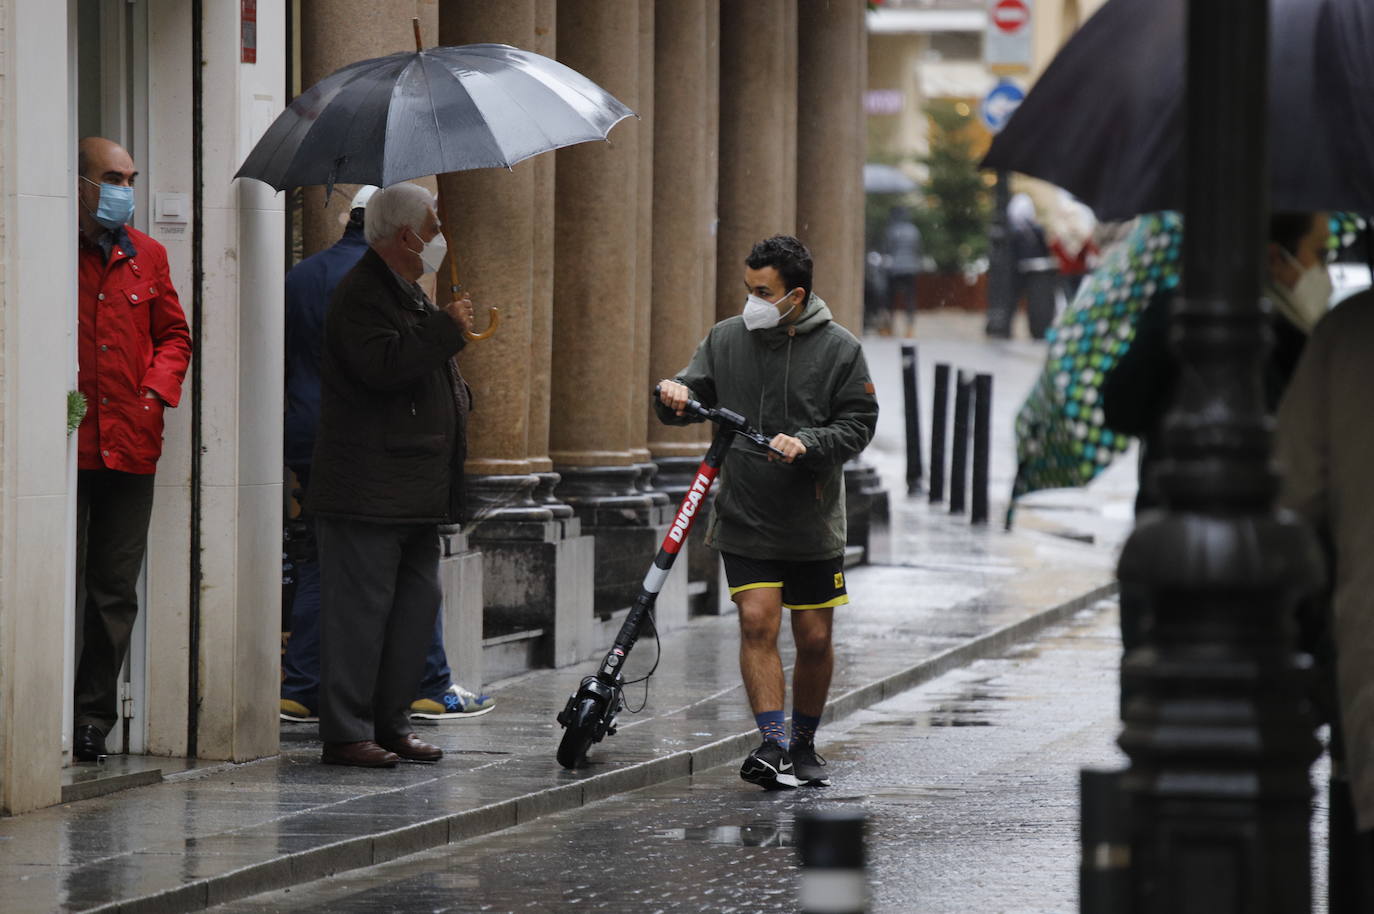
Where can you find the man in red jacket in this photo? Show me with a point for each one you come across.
(133, 349)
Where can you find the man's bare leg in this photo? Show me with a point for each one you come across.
(811, 632)
(760, 617)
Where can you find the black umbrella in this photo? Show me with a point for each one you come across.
(1106, 120)
(408, 115)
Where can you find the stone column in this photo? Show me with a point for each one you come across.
(643, 104)
(239, 358)
(495, 220)
(541, 289)
(339, 32)
(597, 391)
(832, 62)
(38, 258)
(758, 136)
(832, 40)
(489, 218)
(684, 212)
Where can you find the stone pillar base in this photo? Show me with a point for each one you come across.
(537, 570)
(629, 525)
(461, 573)
(866, 510)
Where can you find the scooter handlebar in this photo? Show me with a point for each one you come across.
(726, 417)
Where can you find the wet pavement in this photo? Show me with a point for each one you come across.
(969, 784)
(950, 595)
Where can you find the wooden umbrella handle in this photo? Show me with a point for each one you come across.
(455, 287)
(493, 321)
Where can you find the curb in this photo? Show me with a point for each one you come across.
(357, 853)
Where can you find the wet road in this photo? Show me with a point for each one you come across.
(969, 782)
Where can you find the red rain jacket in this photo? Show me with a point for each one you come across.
(133, 339)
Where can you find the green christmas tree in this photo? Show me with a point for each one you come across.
(954, 217)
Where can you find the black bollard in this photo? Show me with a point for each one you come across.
(982, 431)
(1104, 872)
(914, 471)
(830, 843)
(939, 415)
(958, 452)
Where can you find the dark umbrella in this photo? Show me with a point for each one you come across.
(1105, 121)
(407, 115)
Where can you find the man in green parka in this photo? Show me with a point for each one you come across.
(779, 523)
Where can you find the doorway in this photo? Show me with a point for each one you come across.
(111, 78)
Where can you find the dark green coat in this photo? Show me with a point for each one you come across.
(809, 380)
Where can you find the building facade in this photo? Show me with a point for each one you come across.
(609, 262)
(924, 50)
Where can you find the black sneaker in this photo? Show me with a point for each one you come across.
(808, 767)
(770, 767)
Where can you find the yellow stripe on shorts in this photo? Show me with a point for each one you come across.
(755, 586)
(838, 601)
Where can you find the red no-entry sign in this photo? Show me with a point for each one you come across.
(1011, 15)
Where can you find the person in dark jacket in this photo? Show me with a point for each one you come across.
(780, 523)
(387, 470)
(1139, 389)
(309, 286)
(902, 241)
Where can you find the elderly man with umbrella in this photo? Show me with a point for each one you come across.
(387, 470)
(388, 458)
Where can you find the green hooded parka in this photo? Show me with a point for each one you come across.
(807, 379)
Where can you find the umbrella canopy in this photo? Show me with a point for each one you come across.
(884, 179)
(1061, 441)
(408, 115)
(1060, 437)
(1106, 120)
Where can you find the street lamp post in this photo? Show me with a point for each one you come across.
(1217, 720)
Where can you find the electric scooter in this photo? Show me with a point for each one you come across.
(590, 714)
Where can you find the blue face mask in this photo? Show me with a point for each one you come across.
(116, 205)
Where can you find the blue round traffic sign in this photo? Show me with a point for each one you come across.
(1000, 104)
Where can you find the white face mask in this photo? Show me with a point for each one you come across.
(760, 313)
(1311, 294)
(432, 254)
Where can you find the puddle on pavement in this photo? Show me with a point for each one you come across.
(955, 722)
(758, 834)
(898, 794)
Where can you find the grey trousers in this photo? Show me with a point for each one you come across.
(112, 513)
(379, 595)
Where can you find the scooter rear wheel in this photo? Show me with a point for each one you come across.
(577, 737)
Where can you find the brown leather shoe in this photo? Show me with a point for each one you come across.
(364, 754)
(413, 749)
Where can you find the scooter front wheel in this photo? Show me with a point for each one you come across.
(580, 731)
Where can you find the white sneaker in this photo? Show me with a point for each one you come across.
(457, 703)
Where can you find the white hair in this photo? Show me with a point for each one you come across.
(394, 208)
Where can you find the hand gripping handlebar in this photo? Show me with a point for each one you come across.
(729, 419)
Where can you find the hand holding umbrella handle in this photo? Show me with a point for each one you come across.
(493, 314)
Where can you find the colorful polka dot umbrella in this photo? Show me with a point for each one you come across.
(1060, 437)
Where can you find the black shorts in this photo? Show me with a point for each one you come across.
(804, 585)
